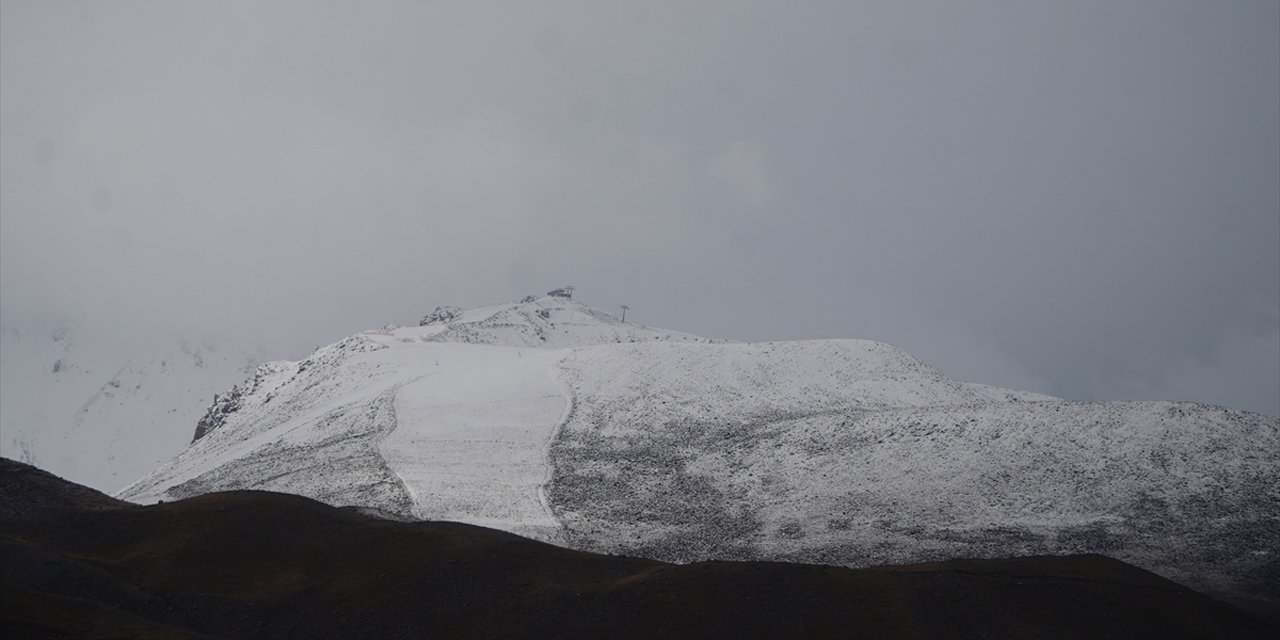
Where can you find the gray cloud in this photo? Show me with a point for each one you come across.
(1076, 197)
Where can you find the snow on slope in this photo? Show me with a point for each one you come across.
(101, 413)
(1000, 394)
(473, 437)
(556, 421)
(543, 322)
(1189, 491)
(309, 428)
(450, 420)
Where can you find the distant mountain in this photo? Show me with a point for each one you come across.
(553, 420)
(101, 412)
(77, 564)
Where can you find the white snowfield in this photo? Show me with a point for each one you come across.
(473, 435)
(559, 422)
(78, 402)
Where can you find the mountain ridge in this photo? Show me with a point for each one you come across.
(555, 421)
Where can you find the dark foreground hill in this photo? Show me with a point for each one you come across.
(254, 564)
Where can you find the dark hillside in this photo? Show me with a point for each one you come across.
(265, 565)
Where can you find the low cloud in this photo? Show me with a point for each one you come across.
(743, 169)
(1078, 199)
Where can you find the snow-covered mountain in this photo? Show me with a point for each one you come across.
(102, 413)
(557, 421)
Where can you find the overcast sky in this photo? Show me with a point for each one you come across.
(1080, 198)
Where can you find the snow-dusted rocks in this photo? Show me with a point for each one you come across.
(441, 315)
(557, 421)
(1189, 491)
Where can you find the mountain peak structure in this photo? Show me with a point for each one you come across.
(551, 419)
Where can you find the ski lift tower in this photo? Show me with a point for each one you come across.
(624, 313)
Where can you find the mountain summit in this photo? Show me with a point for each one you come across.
(557, 421)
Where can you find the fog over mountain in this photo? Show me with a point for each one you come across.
(1074, 198)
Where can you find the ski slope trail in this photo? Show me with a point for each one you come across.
(471, 439)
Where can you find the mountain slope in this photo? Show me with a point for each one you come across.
(267, 565)
(102, 411)
(634, 440)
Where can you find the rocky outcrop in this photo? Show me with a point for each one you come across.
(442, 315)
